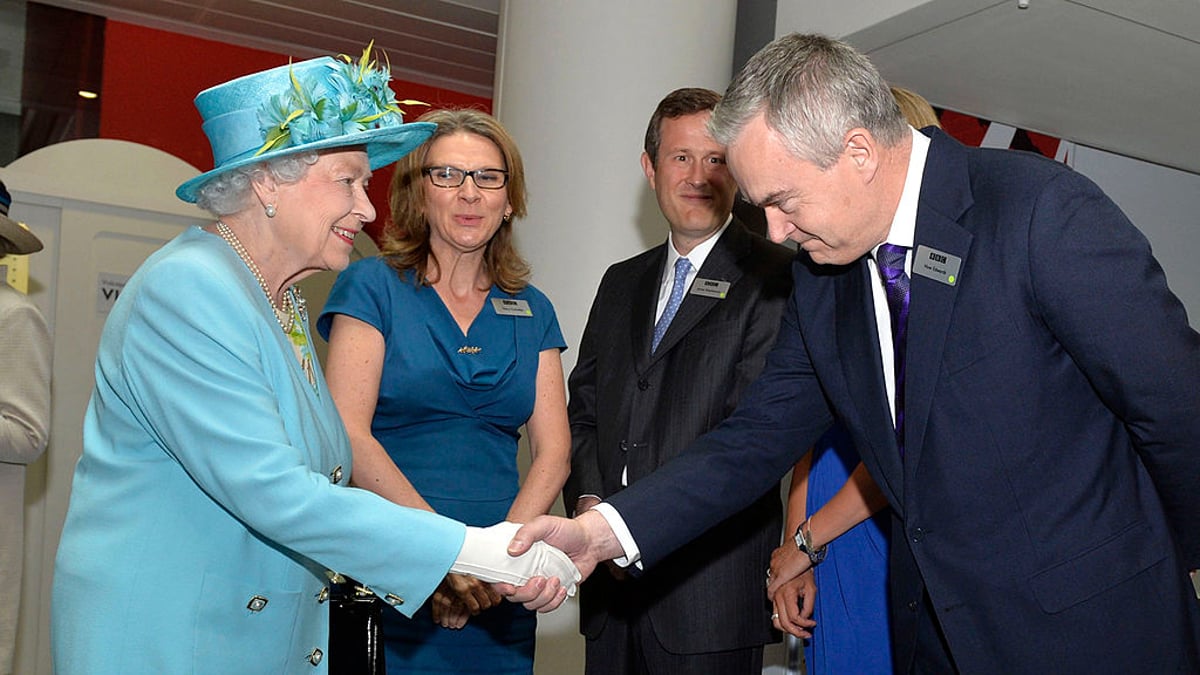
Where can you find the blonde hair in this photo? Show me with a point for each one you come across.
(405, 241)
(915, 108)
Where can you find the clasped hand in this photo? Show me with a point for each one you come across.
(460, 597)
(792, 590)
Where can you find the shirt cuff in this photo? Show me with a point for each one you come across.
(632, 554)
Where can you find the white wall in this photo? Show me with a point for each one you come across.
(577, 98)
(1164, 203)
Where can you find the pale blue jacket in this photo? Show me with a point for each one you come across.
(212, 497)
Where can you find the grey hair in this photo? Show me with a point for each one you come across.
(812, 90)
(229, 192)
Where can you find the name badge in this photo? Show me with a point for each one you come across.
(710, 288)
(936, 265)
(511, 307)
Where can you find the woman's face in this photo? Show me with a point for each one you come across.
(463, 218)
(322, 213)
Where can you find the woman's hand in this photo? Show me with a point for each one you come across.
(460, 597)
(793, 603)
(475, 595)
(787, 563)
(448, 610)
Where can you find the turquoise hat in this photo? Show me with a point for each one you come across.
(317, 104)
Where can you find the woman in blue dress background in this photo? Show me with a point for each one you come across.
(850, 606)
(439, 351)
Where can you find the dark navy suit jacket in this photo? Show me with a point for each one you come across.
(1048, 499)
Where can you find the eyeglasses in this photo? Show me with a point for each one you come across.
(452, 177)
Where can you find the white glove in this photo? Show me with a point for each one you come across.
(484, 555)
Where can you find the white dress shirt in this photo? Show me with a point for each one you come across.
(902, 233)
(696, 257)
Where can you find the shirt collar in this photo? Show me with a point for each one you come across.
(904, 223)
(699, 252)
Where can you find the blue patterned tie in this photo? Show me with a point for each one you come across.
(682, 267)
(890, 259)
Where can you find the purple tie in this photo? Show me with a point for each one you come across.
(890, 259)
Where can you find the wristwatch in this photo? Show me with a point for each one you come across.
(804, 543)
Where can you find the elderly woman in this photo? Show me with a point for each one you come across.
(211, 505)
(439, 351)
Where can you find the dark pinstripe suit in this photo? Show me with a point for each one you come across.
(631, 407)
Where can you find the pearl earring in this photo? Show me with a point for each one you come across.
(270, 209)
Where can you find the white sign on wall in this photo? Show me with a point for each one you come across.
(108, 289)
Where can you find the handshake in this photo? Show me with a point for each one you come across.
(485, 556)
(540, 563)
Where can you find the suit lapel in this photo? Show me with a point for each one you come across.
(721, 264)
(945, 196)
(643, 306)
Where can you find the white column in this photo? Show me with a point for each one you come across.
(576, 83)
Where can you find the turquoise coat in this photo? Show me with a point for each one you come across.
(212, 501)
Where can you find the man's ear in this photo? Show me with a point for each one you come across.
(648, 168)
(863, 152)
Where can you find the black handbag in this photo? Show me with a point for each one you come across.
(355, 643)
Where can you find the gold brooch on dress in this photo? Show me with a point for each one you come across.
(469, 350)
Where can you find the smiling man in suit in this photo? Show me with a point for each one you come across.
(1002, 346)
(674, 336)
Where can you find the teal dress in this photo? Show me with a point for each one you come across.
(449, 412)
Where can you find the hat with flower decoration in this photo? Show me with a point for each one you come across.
(317, 104)
(15, 238)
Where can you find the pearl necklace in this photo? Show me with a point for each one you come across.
(282, 310)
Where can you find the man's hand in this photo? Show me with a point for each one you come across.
(793, 603)
(787, 563)
(586, 539)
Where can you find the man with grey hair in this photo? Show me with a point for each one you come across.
(980, 321)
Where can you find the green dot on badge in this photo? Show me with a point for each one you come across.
(950, 279)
